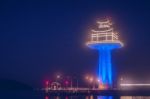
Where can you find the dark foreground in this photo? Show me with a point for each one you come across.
(62, 95)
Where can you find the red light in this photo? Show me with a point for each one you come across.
(46, 97)
(47, 82)
(66, 97)
(66, 82)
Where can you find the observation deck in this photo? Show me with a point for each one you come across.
(104, 36)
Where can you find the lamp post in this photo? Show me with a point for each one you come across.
(92, 82)
(121, 81)
(57, 78)
(70, 82)
(66, 83)
(77, 84)
(47, 86)
(87, 79)
(98, 83)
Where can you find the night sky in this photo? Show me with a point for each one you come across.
(42, 38)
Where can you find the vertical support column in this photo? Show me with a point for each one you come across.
(105, 66)
(99, 66)
(109, 65)
(102, 65)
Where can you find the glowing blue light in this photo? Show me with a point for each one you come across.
(105, 70)
(104, 39)
(105, 66)
(105, 97)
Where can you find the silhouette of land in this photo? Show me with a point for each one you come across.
(6, 84)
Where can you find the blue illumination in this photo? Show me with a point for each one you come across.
(105, 70)
(105, 66)
(104, 97)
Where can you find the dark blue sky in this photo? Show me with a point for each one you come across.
(39, 38)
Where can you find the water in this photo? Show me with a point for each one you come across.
(39, 95)
(99, 97)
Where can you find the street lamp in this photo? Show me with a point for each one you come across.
(66, 83)
(91, 79)
(87, 77)
(47, 85)
(58, 76)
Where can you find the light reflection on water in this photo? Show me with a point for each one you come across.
(135, 97)
(104, 97)
(79, 97)
(96, 97)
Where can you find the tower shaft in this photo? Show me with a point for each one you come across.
(105, 68)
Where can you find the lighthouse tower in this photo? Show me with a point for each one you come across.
(104, 39)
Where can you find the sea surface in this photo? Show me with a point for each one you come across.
(39, 95)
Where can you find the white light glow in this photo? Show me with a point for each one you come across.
(104, 34)
(134, 84)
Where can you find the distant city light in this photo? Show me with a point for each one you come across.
(91, 79)
(98, 80)
(46, 97)
(134, 84)
(58, 76)
(47, 82)
(87, 77)
(66, 82)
